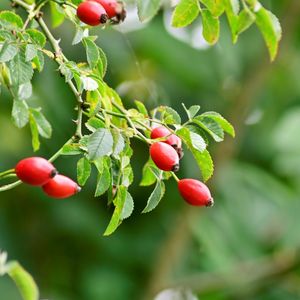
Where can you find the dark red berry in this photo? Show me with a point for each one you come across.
(172, 139)
(164, 156)
(195, 192)
(112, 7)
(35, 170)
(61, 187)
(91, 13)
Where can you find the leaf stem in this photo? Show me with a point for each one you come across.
(175, 176)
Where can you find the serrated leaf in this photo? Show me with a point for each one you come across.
(148, 177)
(93, 124)
(93, 98)
(11, 18)
(39, 61)
(92, 53)
(226, 126)
(20, 113)
(83, 170)
(79, 35)
(216, 7)
(104, 176)
(211, 27)
(119, 203)
(71, 149)
(102, 63)
(211, 127)
(270, 28)
(23, 281)
(147, 9)
(185, 13)
(100, 143)
(8, 52)
(34, 133)
(37, 37)
(25, 90)
(44, 127)
(192, 139)
(128, 207)
(30, 52)
(155, 197)
(192, 111)
(119, 142)
(57, 16)
(170, 116)
(141, 108)
(22, 71)
(232, 8)
(202, 158)
(245, 19)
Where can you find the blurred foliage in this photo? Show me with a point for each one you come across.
(246, 247)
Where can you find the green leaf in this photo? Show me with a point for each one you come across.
(30, 52)
(92, 52)
(20, 113)
(170, 116)
(216, 7)
(192, 111)
(24, 281)
(141, 108)
(119, 203)
(22, 71)
(71, 149)
(8, 52)
(11, 18)
(25, 90)
(94, 123)
(211, 27)
(211, 126)
(57, 15)
(102, 63)
(39, 61)
(202, 158)
(245, 20)
(155, 197)
(44, 127)
(226, 126)
(147, 9)
(192, 139)
(79, 35)
(93, 98)
(34, 133)
(232, 8)
(128, 207)
(185, 13)
(119, 142)
(104, 176)
(37, 37)
(83, 170)
(148, 177)
(270, 28)
(100, 143)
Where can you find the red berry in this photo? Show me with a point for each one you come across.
(35, 170)
(164, 156)
(61, 187)
(172, 139)
(195, 192)
(91, 13)
(112, 7)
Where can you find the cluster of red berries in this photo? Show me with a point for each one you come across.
(97, 12)
(38, 171)
(166, 155)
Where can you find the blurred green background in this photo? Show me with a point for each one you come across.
(245, 247)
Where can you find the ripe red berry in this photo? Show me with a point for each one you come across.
(172, 139)
(91, 13)
(195, 192)
(35, 170)
(61, 187)
(112, 7)
(164, 156)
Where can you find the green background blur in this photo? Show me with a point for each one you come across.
(246, 247)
